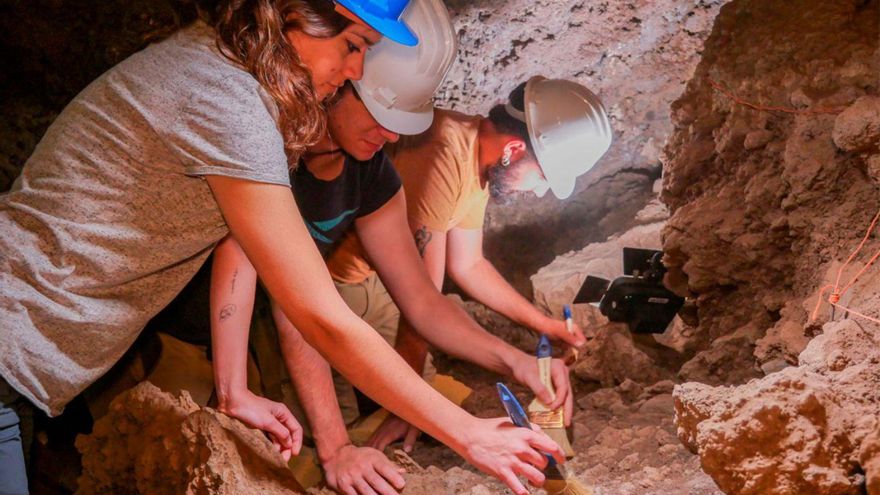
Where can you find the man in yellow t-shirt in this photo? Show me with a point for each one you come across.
(449, 173)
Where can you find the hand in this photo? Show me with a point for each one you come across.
(498, 448)
(556, 330)
(362, 471)
(525, 371)
(392, 430)
(271, 417)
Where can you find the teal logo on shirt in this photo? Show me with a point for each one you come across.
(318, 229)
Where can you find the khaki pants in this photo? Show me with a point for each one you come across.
(370, 301)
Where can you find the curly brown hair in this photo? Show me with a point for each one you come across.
(252, 33)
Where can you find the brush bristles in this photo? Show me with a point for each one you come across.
(569, 486)
(560, 436)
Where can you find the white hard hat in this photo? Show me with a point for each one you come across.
(399, 82)
(568, 129)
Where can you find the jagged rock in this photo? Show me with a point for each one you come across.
(729, 359)
(762, 201)
(611, 357)
(858, 127)
(795, 431)
(151, 442)
(869, 457)
(784, 340)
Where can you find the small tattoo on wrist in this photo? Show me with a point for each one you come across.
(227, 311)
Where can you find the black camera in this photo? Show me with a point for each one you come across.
(638, 298)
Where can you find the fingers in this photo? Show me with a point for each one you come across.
(541, 392)
(571, 339)
(390, 472)
(285, 417)
(363, 488)
(531, 473)
(379, 484)
(380, 440)
(532, 456)
(577, 333)
(561, 383)
(409, 442)
(543, 443)
(512, 482)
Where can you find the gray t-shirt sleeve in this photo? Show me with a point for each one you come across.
(226, 129)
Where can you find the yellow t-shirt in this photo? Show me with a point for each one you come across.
(441, 179)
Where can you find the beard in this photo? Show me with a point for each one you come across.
(502, 181)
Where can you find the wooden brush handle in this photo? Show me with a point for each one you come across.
(544, 365)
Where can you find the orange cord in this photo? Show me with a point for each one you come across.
(837, 292)
(726, 92)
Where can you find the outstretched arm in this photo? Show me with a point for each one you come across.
(385, 234)
(349, 469)
(478, 277)
(266, 222)
(233, 286)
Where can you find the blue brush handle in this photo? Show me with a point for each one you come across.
(517, 414)
(566, 312)
(513, 407)
(544, 350)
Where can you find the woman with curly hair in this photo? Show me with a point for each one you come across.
(147, 169)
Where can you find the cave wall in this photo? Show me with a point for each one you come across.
(764, 200)
(637, 55)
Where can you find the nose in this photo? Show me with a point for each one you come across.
(541, 188)
(354, 67)
(389, 136)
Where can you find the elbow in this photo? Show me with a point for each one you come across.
(324, 334)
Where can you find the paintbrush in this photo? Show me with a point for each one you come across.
(556, 482)
(551, 421)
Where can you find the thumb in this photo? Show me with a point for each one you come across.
(412, 433)
(541, 392)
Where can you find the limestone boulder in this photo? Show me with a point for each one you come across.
(151, 442)
(800, 430)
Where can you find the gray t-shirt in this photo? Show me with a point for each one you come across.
(110, 217)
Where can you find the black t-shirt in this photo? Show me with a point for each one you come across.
(329, 209)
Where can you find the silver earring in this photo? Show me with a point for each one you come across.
(505, 159)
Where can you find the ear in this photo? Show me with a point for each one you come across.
(516, 148)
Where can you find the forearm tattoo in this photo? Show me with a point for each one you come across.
(227, 311)
(234, 276)
(423, 237)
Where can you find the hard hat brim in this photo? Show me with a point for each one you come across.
(562, 186)
(393, 29)
(399, 121)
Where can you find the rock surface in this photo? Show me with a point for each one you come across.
(153, 443)
(799, 430)
(763, 201)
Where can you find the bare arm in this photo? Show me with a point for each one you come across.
(385, 237)
(349, 469)
(478, 277)
(414, 282)
(266, 222)
(233, 287)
